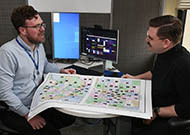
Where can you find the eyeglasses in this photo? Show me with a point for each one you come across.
(38, 26)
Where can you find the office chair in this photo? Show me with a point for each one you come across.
(182, 126)
(4, 130)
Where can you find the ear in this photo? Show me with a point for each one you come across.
(167, 43)
(22, 30)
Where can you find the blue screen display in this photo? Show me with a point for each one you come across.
(66, 35)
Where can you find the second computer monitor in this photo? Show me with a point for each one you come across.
(102, 44)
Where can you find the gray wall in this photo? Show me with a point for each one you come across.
(7, 31)
(129, 16)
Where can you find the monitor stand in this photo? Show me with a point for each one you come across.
(108, 65)
(110, 70)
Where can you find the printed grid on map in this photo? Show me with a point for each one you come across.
(65, 88)
(92, 91)
(116, 93)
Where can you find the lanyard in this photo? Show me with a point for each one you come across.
(36, 65)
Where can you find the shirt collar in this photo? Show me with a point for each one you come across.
(173, 51)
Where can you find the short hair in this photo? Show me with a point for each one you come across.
(170, 27)
(21, 14)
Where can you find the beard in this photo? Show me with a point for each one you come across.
(40, 39)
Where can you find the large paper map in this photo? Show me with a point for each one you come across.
(115, 96)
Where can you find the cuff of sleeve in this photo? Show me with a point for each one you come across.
(176, 110)
(57, 70)
(22, 111)
(181, 112)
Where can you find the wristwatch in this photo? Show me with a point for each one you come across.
(157, 110)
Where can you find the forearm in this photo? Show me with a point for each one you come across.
(51, 67)
(146, 76)
(15, 104)
(164, 112)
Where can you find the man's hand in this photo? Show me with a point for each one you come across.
(128, 76)
(146, 76)
(148, 121)
(68, 71)
(36, 122)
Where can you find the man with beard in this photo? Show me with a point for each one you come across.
(22, 65)
(170, 77)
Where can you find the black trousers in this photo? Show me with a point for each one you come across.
(159, 126)
(54, 121)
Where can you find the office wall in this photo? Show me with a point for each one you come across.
(170, 7)
(131, 18)
(186, 39)
(80, 6)
(7, 31)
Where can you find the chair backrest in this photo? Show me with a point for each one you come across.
(180, 125)
(4, 128)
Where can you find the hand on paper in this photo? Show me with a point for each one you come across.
(37, 122)
(128, 76)
(147, 76)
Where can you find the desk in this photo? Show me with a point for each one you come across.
(87, 66)
(84, 69)
(63, 65)
(82, 65)
(96, 68)
(86, 114)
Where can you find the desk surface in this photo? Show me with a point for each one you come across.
(79, 64)
(97, 71)
(96, 68)
(87, 66)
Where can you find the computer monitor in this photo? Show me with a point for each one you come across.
(101, 44)
(65, 35)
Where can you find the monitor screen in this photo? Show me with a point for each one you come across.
(65, 35)
(102, 44)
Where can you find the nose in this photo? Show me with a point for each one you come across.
(42, 28)
(147, 39)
